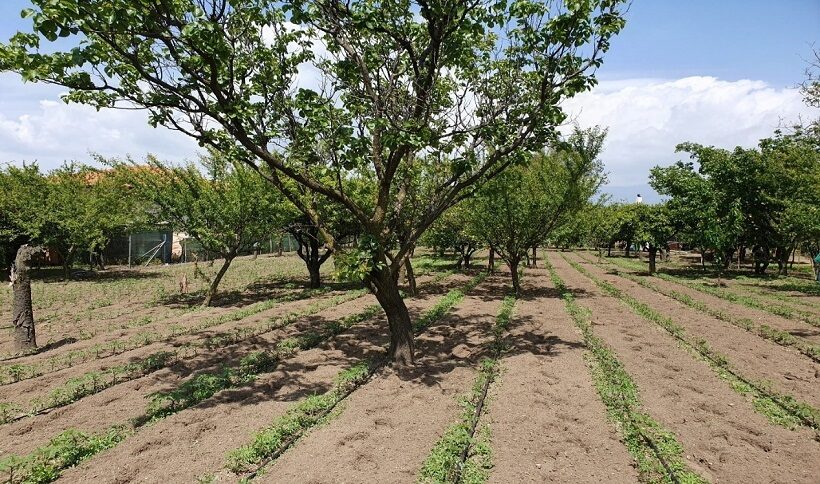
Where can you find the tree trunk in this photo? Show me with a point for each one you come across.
(653, 251)
(386, 290)
(513, 263)
(209, 297)
(609, 250)
(410, 275)
(22, 312)
(535, 256)
(491, 262)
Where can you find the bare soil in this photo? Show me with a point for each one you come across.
(390, 425)
(548, 423)
(757, 358)
(195, 442)
(723, 437)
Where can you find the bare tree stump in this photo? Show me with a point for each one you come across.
(22, 313)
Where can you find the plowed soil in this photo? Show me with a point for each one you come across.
(547, 422)
(724, 438)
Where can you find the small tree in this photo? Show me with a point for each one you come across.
(226, 209)
(654, 229)
(74, 209)
(521, 207)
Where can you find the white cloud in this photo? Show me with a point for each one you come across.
(40, 127)
(648, 117)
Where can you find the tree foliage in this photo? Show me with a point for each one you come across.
(521, 207)
(74, 209)
(225, 206)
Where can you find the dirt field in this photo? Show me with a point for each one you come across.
(596, 373)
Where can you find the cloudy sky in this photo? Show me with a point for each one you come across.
(719, 73)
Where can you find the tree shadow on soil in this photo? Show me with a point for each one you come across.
(254, 293)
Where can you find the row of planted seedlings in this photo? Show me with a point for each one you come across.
(72, 446)
(17, 372)
(251, 460)
(779, 408)
(463, 453)
(657, 452)
(93, 382)
(734, 297)
(763, 330)
(84, 334)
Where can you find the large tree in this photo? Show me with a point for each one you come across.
(469, 85)
(520, 208)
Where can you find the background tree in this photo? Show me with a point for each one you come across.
(73, 210)
(522, 206)
(226, 209)
(451, 232)
(474, 85)
(654, 229)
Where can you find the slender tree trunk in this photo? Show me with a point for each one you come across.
(535, 256)
(491, 262)
(386, 290)
(410, 275)
(609, 250)
(628, 248)
(22, 312)
(212, 288)
(653, 251)
(315, 274)
(516, 282)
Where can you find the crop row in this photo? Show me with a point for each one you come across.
(95, 381)
(748, 301)
(269, 443)
(463, 453)
(71, 447)
(17, 372)
(779, 408)
(656, 450)
(765, 331)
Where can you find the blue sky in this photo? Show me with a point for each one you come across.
(718, 72)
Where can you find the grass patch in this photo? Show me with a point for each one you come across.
(67, 449)
(781, 409)
(656, 450)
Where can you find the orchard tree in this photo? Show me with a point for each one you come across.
(226, 209)
(471, 86)
(654, 229)
(520, 208)
(451, 231)
(74, 209)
